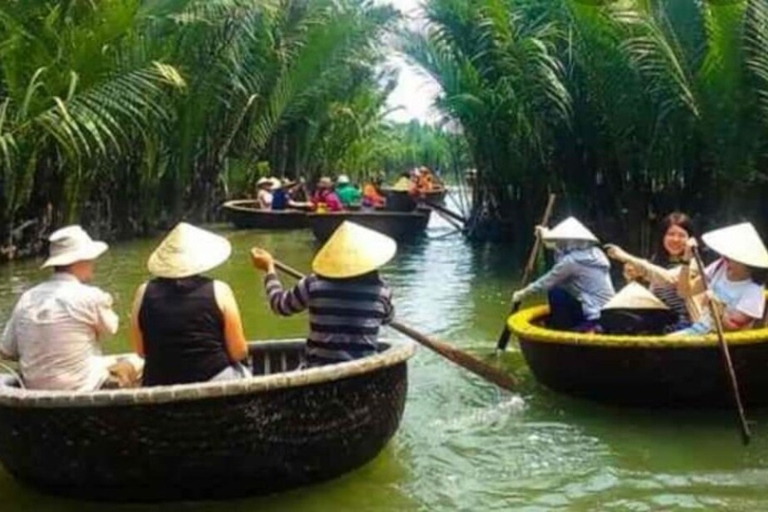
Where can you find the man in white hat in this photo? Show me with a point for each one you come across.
(264, 194)
(738, 295)
(579, 284)
(345, 296)
(56, 328)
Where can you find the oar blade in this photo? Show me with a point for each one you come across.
(503, 340)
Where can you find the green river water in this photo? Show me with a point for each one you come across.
(463, 445)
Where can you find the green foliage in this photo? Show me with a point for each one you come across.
(621, 107)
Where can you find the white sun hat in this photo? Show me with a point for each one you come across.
(187, 251)
(343, 179)
(72, 244)
(264, 181)
(353, 250)
(740, 243)
(569, 229)
(635, 296)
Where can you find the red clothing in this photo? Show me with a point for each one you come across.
(329, 198)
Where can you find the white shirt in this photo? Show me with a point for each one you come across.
(265, 199)
(54, 331)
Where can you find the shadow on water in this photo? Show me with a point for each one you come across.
(464, 445)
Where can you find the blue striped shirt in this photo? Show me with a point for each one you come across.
(344, 314)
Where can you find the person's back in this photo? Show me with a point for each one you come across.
(280, 199)
(344, 314)
(56, 327)
(183, 330)
(185, 325)
(59, 323)
(590, 280)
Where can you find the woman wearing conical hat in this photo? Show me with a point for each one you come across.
(734, 279)
(579, 284)
(635, 310)
(346, 298)
(185, 325)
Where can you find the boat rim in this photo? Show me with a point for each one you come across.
(419, 212)
(397, 352)
(522, 325)
(239, 205)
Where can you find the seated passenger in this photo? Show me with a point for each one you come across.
(579, 284)
(349, 195)
(663, 270)
(734, 279)
(185, 325)
(635, 310)
(372, 198)
(57, 327)
(325, 199)
(345, 296)
(264, 195)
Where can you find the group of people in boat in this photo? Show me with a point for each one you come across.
(417, 181)
(328, 196)
(186, 327)
(666, 294)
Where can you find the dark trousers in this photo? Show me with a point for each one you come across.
(565, 312)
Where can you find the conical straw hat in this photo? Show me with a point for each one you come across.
(188, 251)
(353, 250)
(570, 229)
(740, 243)
(635, 296)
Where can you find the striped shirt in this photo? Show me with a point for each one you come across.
(344, 315)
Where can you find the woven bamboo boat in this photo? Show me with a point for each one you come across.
(399, 225)
(402, 201)
(653, 371)
(245, 214)
(281, 429)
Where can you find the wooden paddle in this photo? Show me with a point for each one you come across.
(466, 361)
(724, 352)
(503, 341)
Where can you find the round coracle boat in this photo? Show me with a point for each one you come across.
(245, 214)
(655, 371)
(283, 428)
(403, 201)
(398, 225)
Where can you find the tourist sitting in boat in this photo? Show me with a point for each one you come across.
(282, 196)
(579, 284)
(372, 197)
(264, 195)
(325, 199)
(349, 195)
(57, 328)
(424, 180)
(735, 279)
(663, 270)
(185, 325)
(345, 296)
(634, 310)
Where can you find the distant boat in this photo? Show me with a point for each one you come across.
(643, 370)
(281, 429)
(402, 201)
(398, 225)
(246, 214)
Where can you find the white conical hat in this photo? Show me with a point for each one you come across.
(569, 229)
(635, 296)
(353, 250)
(188, 251)
(739, 242)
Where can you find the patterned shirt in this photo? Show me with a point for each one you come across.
(344, 315)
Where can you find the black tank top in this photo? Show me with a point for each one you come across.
(183, 331)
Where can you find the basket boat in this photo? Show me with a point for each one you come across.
(283, 428)
(245, 214)
(398, 225)
(402, 201)
(651, 371)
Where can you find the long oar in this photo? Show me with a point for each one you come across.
(725, 353)
(466, 361)
(503, 341)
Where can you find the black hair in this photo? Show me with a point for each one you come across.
(679, 219)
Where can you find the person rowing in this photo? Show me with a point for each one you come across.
(735, 279)
(662, 271)
(347, 300)
(579, 284)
